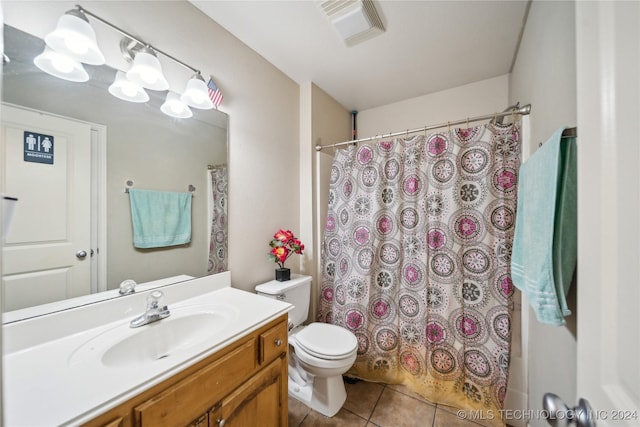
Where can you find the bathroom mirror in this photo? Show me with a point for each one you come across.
(136, 145)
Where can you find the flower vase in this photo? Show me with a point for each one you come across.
(283, 274)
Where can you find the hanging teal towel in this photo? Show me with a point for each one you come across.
(545, 242)
(160, 218)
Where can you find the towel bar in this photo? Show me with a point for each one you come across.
(129, 184)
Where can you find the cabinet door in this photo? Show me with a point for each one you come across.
(272, 343)
(255, 403)
(194, 395)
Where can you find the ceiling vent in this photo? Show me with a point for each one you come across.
(355, 20)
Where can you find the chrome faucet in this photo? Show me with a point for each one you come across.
(127, 287)
(155, 311)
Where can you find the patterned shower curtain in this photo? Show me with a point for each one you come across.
(218, 242)
(416, 254)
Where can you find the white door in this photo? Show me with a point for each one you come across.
(608, 70)
(46, 166)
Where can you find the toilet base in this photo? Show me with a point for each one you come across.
(324, 395)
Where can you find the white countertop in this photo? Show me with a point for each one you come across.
(46, 383)
(65, 304)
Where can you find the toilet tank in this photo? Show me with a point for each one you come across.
(296, 291)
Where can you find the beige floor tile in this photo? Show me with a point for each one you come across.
(343, 418)
(395, 409)
(447, 419)
(297, 412)
(405, 390)
(446, 416)
(362, 397)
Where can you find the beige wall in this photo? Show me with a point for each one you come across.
(157, 157)
(323, 121)
(544, 74)
(263, 105)
(475, 99)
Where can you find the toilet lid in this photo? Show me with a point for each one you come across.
(326, 341)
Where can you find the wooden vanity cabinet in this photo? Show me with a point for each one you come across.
(244, 384)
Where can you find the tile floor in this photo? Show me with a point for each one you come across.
(371, 404)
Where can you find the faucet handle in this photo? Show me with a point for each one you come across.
(127, 287)
(153, 300)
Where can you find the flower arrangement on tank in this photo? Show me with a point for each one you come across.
(283, 245)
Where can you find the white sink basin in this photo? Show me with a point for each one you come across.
(187, 327)
(208, 315)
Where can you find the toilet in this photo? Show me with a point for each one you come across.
(319, 353)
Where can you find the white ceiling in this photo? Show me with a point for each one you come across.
(428, 46)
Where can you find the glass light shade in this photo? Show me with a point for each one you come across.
(174, 107)
(126, 90)
(75, 38)
(60, 66)
(147, 72)
(196, 94)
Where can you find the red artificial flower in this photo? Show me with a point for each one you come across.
(281, 253)
(283, 244)
(283, 235)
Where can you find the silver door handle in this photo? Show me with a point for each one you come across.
(81, 254)
(560, 415)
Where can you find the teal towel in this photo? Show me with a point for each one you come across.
(160, 218)
(545, 243)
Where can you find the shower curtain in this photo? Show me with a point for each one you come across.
(218, 215)
(415, 260)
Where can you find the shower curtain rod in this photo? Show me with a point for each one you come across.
(523, 111)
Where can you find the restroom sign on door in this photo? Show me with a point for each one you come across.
(38, 148)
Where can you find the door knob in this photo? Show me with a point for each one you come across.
(81, 254)
(560, 415)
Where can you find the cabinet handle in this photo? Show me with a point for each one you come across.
(278, 342)
(221, 422)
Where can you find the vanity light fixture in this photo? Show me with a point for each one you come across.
(74, 42)
(174, 107)
(75, 38)
(61, 66)
(146, 70)
(127, 90)
(196, 94)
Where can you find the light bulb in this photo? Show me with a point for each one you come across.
(198, 97)
(196, 93)
(146, 71)
(75, 38)
(77, 46)
(129, 90)
(148, 76)
(177, 108)
(62, 64)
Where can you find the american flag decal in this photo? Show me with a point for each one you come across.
(214, 93)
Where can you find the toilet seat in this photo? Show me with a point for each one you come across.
(325, 341)
(311, 363)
